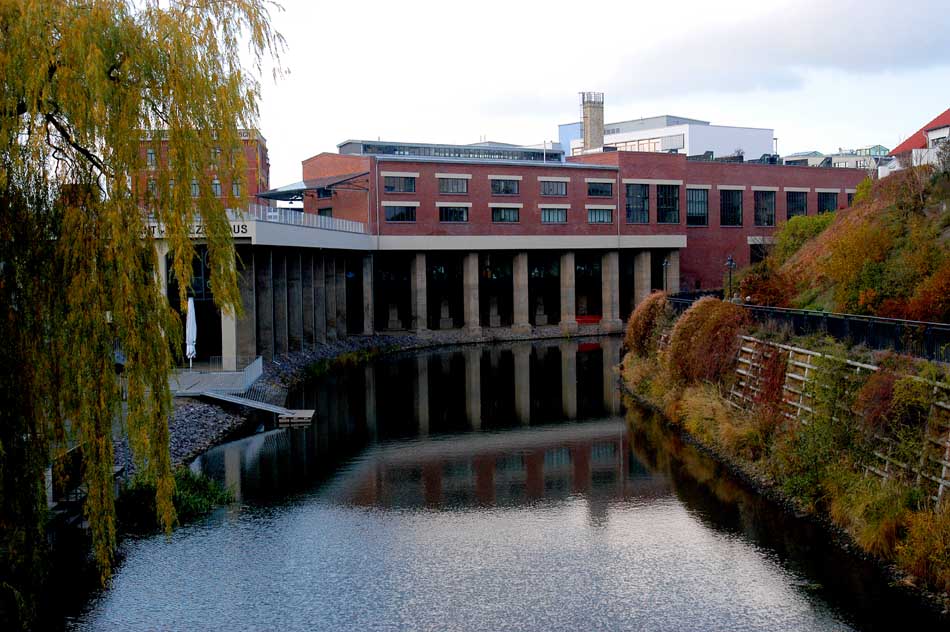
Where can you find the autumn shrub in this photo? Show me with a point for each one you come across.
(643, 327)
(874, 401)
(704, 341)
(931, 299)
(769, 400)
(763, 285)
(878, 511)
(925, 550)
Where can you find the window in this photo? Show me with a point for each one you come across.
(796, 203)
(827, 202)
(554, 215)
(600, 216)
(325, 212)
(764, 210)
(399, 184)
(505, 187)
(194, 189)
(453, 185)
(730, 208)
(324, 193)
(850, 199)
(504, 215)
(236, 189)
(553, 188)
(453, 213)
(400, 213)
(600, 189)
(152, 187)
(667, 204)
(216, 187)
(638, 204)
(150, 157)
(697, 207)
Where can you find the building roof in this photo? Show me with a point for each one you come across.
(295, 191)
(918, 140)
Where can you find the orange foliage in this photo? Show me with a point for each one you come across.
(767, 287)
(704, 341)
(931, 300)
(641, 327)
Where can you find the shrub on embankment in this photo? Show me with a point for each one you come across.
(195, 496)
(827, 464)
(646, 322)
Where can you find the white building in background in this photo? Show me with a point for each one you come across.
(674, 134)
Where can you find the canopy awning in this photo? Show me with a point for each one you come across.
(295, 192)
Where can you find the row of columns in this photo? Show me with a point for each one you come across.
(610, 289)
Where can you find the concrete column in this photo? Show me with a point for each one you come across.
(306, 298)
(568, 318)
(642, 279)
(341, 297)
(473, 386)
(329, 268)
(569, 378)
(422, 393)
(470, 292)
(522, 355)
(369, 304)
(281, 336)
(161, 272)
(673, 272)
(610, 292)
(264, 286)
(519, 270)
(239, 333)
(294, 302)
(319, 299)
(369, 371)
(417, 292)
(611, 348)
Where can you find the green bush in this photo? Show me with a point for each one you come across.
(195, 496)
(795, 232)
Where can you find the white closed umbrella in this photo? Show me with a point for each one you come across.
(191, 332)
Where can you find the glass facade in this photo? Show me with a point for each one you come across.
(667, 204)
(638, 204)
(505, 215)
(453, 213)
(553, 215)
(764, 208)
(400, 213)
(697, 207)
(730, 208)
(796, 203)
(453, 185)
(553, 188)
(399, 184)
(505, 187)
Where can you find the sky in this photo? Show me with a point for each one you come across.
(821, 74)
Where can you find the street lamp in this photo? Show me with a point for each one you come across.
(731, 265)
(666, 266)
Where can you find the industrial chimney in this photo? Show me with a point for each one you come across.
(592, 119)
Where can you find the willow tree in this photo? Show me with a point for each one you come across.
(88, 87)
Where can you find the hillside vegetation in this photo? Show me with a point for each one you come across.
(887, 255)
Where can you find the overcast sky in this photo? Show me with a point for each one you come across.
(822, 74)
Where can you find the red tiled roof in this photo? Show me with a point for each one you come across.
(918, 140)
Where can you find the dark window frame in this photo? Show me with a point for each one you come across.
(504, 215)
(638, 203)
(561, 188)
(730, 202)
(825, 197)
(696, 198)
(562, 212)
(410, 212)
(399, 184)
(763, 213)
(667, 204)
(592, 213)
(446, 190)
(444, 210)
(505, 186)
(600, 189)
(796, 203)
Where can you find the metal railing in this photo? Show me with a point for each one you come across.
(917, 338)
(296, 217)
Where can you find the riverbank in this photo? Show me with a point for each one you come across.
(842, 441)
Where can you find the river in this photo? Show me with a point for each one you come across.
(495, 487)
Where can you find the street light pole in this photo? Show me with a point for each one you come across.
(731, 265)
(666, 265)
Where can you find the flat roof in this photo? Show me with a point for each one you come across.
(490, 161)
(479, 145)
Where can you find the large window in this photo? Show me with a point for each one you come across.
(827, 202)
(638, 204)
(505, 215)
(195, 191)
(400, 213)
(667, 204)
(216, 187)
(764, 208)
(505, 187)
(323, 193)
(600, 216)
(150, 157)
(453, 213)
(697, 207)
(236, 189)
(399, 184)
(730, 208)
(325, 212)
(796, 203)
(553, 188)
(553, 215)
(453, 186)
(600, 189)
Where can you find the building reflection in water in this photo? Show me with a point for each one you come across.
(441, 394)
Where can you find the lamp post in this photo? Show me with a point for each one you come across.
(666, 266)
(731, 265)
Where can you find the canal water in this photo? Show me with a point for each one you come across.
(503, 487)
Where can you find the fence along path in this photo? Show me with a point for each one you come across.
(932, 469)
